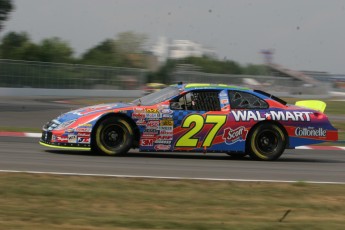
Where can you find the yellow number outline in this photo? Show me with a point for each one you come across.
(189, 139)
(218, 121)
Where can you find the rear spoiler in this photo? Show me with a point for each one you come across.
(312, 104)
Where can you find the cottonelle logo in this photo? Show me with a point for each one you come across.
(310, 132)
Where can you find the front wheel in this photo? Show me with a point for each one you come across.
(267, 142)
(113, 136)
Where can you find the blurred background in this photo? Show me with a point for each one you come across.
(60, 55)
(112, 46)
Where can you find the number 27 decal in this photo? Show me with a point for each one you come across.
(189, 139)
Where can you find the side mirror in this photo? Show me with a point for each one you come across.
(175, 105)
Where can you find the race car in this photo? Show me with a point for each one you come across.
(204, 118)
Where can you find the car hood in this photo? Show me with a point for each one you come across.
(85, 111)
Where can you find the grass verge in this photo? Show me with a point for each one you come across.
(71, 202)
(20, 129)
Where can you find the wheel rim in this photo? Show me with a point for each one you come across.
(267, 142)
(112, 136)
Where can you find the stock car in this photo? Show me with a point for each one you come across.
(204, 118)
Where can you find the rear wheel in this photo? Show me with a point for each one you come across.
(113, 136)
(267, 142)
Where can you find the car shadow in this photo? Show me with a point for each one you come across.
(195, 156)
(308, 160)
(136, 154)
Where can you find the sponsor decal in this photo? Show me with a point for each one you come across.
(83, 130)
(70, 131)
(85, 140)
(310, 132)
(139, 116)
(224, 101)
(146, 142)
(84, 125)
(247, 115)
(152, 115)
(167, 122)
(152, 124)
(150, 132)
(146, 135)
(72, 138)
(166, 128)
(83, 134)
(165, 142)
(231, 136)
(62, 139)
(162, 147)
(165, 132)
(166, 111)
(151, 110)
(160, 137)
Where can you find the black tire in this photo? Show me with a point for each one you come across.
(267, 142)
(113, 136)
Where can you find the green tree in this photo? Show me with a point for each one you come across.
(130, 42)
(255, 70)
(18, 46)
(125, 51)
(55, 50)
(104, 53)
(6, 7)
(14, 45)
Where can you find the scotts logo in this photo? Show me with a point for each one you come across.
(309, 132)
(231, 136)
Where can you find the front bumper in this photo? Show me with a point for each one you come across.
(49, 139)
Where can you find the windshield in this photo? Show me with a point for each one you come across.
(158, 96)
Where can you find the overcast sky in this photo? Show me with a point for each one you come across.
(305, 34)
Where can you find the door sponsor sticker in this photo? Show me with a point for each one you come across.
(248, 115)
(310, 132)
(231, 136)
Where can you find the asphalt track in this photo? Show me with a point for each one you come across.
(25, 154)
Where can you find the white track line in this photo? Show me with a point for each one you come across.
(168, 178)
(303, 147)
(35, 135)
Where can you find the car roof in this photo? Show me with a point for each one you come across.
(263, 95)
(191, 86)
